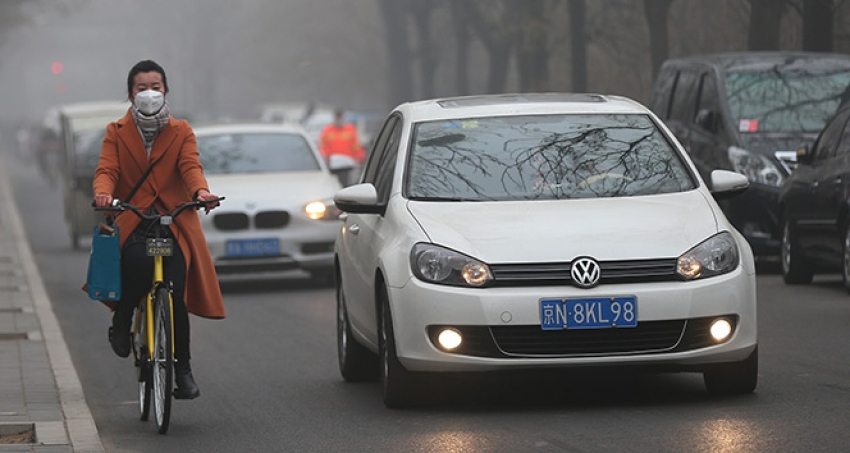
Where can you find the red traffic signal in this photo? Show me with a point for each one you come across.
(56, 67)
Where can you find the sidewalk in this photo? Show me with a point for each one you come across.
(41, 399)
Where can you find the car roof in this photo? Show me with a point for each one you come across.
(248, 128)
(518, 104)
(755, 61)
(94, 108)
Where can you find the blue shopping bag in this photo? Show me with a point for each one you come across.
(104, 275)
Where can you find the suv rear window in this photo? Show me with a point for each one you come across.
(794, 101)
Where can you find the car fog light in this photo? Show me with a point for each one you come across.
(721, 329)
(449, 339)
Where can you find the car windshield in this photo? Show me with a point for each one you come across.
(794, 101)
(255, 153)
(542, 157)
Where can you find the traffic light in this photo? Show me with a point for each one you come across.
(57, 67)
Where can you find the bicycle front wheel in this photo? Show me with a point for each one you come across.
(163, 364)
(143, 366)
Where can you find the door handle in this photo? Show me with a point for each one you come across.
(815, 184)
(354, 229)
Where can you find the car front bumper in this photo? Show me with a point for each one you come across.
(419, 308)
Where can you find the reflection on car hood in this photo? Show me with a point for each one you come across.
(771, 142)
(659, 226)
(272, 189)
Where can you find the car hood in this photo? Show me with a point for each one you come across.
(272, 189)
(769, 143)
(658, 226)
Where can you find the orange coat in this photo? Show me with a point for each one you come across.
(176, 176)
(341, 140)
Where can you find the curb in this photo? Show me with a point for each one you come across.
(81, 429)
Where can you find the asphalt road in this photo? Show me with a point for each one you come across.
(269, 380)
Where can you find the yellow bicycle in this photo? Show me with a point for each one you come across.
(153, 324)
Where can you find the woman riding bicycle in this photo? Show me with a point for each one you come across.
(148, 137)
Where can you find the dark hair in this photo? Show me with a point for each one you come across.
(145, 66)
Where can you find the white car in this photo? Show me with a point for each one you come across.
(278, 216)
(539, 231)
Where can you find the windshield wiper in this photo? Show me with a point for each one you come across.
(444, 199)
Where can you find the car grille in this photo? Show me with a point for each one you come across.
(241, 221)
(648, 337)
(271, 219)
(542, 274)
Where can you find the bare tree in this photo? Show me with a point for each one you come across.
(532, 48)
(656, 12)
(495, 26)
(399, 63)
(578, 44)
(818, 25)
(765, 21)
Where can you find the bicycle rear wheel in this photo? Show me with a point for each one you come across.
(143, 365)
(163, 363)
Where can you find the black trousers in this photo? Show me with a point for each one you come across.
(136, 276)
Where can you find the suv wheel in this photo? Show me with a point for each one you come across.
(795, 269)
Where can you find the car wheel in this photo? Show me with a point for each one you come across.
(795, 269)
(396, 382)
(733, 378)
(356, 363)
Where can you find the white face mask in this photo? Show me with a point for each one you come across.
(149, 102)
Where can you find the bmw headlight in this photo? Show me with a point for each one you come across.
(715, 256)
(757, 168)
(321, 210)
(435, 264)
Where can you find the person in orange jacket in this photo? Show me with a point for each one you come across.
(340, 137)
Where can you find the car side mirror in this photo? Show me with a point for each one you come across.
(707, 119)
(727, 184)
(343, 168)
(359, 199)
(804, 155)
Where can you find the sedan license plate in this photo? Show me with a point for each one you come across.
(588, 313)
(253, 247)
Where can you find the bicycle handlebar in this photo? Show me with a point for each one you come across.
(118, 205)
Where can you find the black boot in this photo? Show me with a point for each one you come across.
(119, 333)
(186, 387)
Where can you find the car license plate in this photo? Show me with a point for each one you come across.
(588, 313)
(160, 246)
(253, 247)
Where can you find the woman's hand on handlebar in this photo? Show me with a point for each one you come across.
(102, 200)
(205, 195)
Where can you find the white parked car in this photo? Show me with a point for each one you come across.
(278, 217)
(539, 231)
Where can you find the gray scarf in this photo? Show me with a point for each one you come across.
(149, 126)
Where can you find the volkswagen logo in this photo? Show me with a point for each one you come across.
(585, 272)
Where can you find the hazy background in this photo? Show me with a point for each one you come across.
(224, 58)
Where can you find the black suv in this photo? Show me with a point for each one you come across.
(749, 112)
(814, 207)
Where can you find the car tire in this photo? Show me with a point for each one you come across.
(795, 268)
(735, 378)
(356, 363)
(396, 382)
(845, 263)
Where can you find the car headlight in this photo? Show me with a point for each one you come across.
(435, 264)
(715, 256)
(321, 210)
(757, 168)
